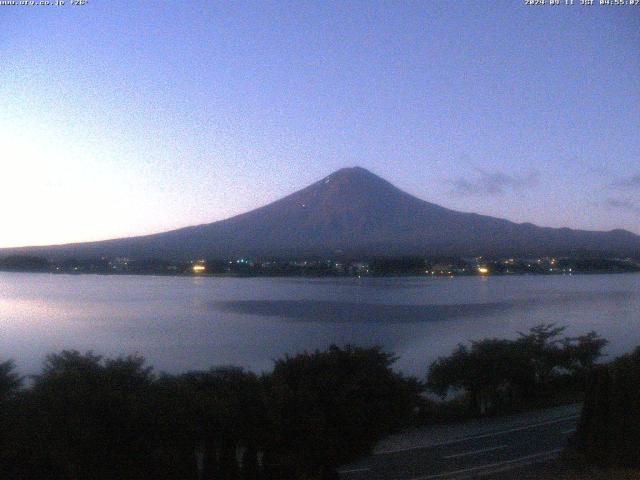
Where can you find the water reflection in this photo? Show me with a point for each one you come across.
(349, 312)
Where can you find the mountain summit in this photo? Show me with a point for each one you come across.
(352, 211)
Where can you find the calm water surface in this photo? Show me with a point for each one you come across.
(182, 323)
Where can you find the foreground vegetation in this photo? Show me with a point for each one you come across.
(497, 375)
(609, 429)
(87, 417)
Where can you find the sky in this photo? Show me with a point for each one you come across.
(120, 118)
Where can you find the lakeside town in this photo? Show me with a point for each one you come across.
(379, 266)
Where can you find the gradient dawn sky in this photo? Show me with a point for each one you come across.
(120, 118)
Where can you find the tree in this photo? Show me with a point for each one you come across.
(490, 373)
(582, 352)
(495, 374)
(329, 407)
(217, 416)
(609, 427)
(91, 419)
(24, 263)
(10, 383)
(541, 346)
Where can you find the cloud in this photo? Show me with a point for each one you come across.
(494, 183)
(632, 182)
(621, 204)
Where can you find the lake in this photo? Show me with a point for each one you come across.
(183, 323)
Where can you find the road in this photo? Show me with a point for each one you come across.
(469, 450)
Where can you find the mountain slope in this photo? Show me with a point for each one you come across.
(355, 212)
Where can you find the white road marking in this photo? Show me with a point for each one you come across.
(475, 437)
(492, 465)
(566, 432)
(475, 452)
(354, 470)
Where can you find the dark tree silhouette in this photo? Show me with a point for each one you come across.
(330, 407)
(92, 419)
(609, 428)
(497, 374)
(217, 416)
(581, 353)
(491, 373)
(10, 383)
(541, 347)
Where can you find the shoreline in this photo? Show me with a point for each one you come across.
(237, 275)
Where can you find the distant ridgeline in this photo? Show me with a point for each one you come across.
(369, 266)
